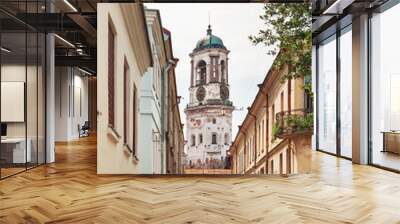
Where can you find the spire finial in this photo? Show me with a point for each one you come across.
(209, 25)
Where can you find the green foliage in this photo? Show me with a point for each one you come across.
(300, 123)
(276, 130)
(293, 124)
(308, 89)
(288, 31)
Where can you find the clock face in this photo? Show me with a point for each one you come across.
(201, 93)
(224, 92)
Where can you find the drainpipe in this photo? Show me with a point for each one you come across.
(164, 109)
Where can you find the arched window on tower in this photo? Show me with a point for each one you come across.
(226, 138)
(200, 138)
(201, 70)
(193, 140)
(223, 77)
(214, 138)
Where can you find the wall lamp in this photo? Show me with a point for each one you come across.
(64, 40)
(84, 71)
(337, 7)
(5, 50)
(70, 5)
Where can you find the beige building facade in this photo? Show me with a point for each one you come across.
(123, 56)
(174, 131)
(264, 143)
(139, 125)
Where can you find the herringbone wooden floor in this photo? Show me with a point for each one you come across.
(69, 191)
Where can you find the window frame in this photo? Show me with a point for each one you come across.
(214, 140)
(134, 120)
(126, 98)
(337, 38)
(111, 78)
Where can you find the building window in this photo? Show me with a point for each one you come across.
(126, 101)
(200, 138)
(250, 150)
(201, 72)
(214, 71)
(282, 102)
(223, 79)
(111, 76)
(326, 101)
(267, 134)
(193, 140)
(156, 77)
(273, 115)
(289, 161)
(214, 121)
(214, 138)
(272, 166)
(135, 112)
(241, 162)
(260, 138)
(226, 137)
(385, 89)
(280, 163)
(346, 93)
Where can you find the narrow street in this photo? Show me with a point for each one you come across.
(70, 191)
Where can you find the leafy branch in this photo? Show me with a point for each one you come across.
(287, 31)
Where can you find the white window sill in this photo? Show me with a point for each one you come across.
(113, 134)
(130, 152)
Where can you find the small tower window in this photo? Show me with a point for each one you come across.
(201, 71)
(226, 138)
(214, 121)
(223, 72)
(193, 140)
(214, 138)
(200, 138)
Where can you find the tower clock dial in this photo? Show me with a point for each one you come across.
(201, 93)
(224, 92)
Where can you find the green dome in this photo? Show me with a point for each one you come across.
(209, 41)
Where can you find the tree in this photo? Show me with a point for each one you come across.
(288, 32)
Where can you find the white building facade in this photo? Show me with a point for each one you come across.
(150, 146)
(209, 112)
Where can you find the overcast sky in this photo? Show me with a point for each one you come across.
(233, 23)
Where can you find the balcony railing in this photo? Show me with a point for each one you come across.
(293, 122)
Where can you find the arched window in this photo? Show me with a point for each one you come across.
(201, 72)
(226, 137)
(223, 71)
(214, 138)
(200, 138)
(193, 140)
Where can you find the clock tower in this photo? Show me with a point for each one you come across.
(209, 112)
